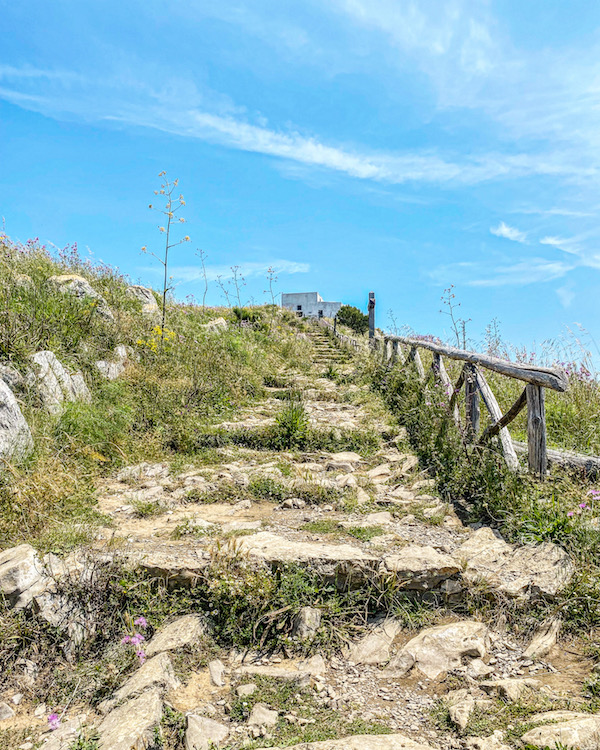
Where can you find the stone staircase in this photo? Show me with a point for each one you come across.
(357, 521)
(327, 352)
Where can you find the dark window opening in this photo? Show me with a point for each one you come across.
(299, 307)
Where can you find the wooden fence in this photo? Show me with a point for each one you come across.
(404, 351)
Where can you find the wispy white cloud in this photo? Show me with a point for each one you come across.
(509, 233)
(162, 109)
(524, 272)
(248, 270)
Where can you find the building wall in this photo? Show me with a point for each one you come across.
(310, 303)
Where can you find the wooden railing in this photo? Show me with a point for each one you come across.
(404, 351)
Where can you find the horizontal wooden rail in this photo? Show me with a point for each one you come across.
(539, 456)
(548, 377)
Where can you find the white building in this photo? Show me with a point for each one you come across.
(310, 305)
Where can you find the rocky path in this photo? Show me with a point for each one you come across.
(356, 521)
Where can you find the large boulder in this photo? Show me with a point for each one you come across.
(81, 288)
(441, 648)
(54, 384)
(15, 435)
(522, 572)
(22, 575)
(149, 305)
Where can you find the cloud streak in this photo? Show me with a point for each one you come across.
(140, 106)
(508, 232)
(249, 270)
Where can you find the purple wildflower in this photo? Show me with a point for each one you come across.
(141, 621)
(137, 639)
(53, 721)
(583, 506)
(126, 639)
(141, 656)
(571, 513)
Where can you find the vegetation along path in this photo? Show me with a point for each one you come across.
(295, 576)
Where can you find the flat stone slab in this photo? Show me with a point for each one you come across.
(521, 572)
(421, 568)
(329, 560)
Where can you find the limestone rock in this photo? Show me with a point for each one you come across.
(15, 435)
(177, 566)
(243, 691)
(582, 733)
(543, 639)
(522, 572)
(460, 712)
(374, 648)
(21, 575)
(6, 712)
(421, 568)
(146, 297)
(131, 725)
(156, 673)
(493, 742)
(216, 669)
(306, 623)
(185, 631)
(262, 716)
(112, 368)
(203, 733)
(441, 648)
(214, 326)
(54, 384)
(62, 613)
(347, 563)
(347, 457)
(81, 288)
(363, 742)
(511, 688)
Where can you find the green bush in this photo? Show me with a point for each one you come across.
(353, 318)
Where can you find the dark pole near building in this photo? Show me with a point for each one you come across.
(371, 315)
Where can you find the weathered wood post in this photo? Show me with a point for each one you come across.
(371, 315)
(335, 325)
(536, 430)
(471, 401)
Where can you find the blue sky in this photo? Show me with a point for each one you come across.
(394, 145)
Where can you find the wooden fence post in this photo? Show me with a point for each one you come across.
(471, 401)
(371, 314)
(536, 430)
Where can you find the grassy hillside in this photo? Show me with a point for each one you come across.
(157, 409)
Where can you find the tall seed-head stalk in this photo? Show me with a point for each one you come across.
(172, 206)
